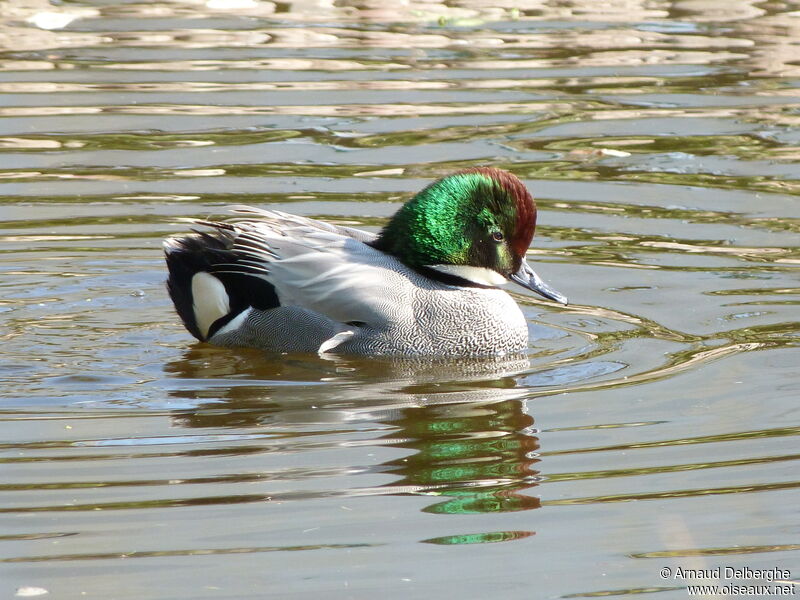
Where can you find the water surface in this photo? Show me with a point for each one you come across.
(652, 424)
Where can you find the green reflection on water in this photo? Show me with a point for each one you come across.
(489, 537)
(750, 147)
(497, 500)
(716, 551)
(480, 458)
(189, 552)
(623, 592)
(150, 140)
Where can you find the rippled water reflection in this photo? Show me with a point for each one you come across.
(652, 423)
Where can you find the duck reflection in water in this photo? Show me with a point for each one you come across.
(472, 441)
(475, 454)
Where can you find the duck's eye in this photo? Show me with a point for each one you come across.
(497, 236)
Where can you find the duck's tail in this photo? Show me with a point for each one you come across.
(207, 294)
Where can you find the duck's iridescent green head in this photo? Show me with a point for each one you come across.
(474, 225)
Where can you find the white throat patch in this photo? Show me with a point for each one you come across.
(479, 275)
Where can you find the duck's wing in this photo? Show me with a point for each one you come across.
(282, 219)
(325, 268)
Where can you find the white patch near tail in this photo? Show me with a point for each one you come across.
(331, 343)
(209, 300)
(234, 323)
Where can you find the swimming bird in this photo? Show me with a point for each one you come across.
(426, 284)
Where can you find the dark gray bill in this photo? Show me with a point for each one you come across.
(528, 279)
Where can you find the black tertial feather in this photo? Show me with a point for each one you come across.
(214, 253)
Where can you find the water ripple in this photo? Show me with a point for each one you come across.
(653, 418)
